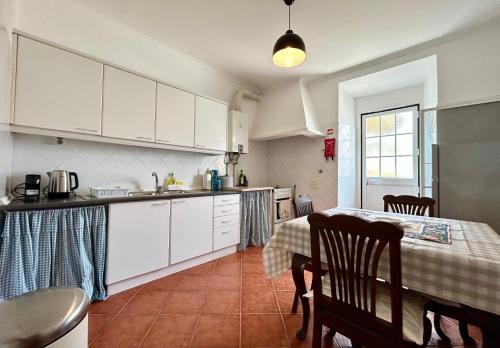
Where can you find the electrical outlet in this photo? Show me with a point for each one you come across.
(314, 184)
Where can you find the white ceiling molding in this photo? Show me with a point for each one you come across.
(339, 35)
(467, 102)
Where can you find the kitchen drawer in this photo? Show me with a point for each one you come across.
(226, 236)
(224, 210)
(226, 200)
(224, 221)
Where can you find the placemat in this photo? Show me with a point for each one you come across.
(434, 232)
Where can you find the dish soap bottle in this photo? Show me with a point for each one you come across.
(241, 179)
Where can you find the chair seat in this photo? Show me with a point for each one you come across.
(413, 309)
(443, 301)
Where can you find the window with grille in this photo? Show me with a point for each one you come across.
(390, 144)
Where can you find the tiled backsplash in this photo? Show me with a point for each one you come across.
(285, 162)
(297, 161)
(102, 164)
(5, 160)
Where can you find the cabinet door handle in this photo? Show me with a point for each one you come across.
(86, 130)
(159, 204)
(226, 211)
(143, 138)
(225, 221)
(163, 141)
(225, 232)
(198, 145)
(175, 202)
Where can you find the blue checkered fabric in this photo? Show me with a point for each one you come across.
(51, 248)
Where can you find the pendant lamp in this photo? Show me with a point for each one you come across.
(289, 50)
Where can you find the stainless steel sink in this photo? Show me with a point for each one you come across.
(177, 192)
(142, 193)
(154, 193)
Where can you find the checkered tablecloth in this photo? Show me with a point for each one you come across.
(466, 271)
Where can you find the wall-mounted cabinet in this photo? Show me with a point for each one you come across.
(128, 106)
(58, 92)
(174, 116)
(210, 124)
(56, 89)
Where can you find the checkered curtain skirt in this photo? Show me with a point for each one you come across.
(51, 248)
(255, 223)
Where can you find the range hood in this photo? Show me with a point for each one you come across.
(285, 111)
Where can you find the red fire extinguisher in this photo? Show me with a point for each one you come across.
(329, 151)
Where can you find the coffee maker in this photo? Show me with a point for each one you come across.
(32, 188)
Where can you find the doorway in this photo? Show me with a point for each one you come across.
(389, 155)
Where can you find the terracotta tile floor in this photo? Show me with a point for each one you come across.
(224, 303)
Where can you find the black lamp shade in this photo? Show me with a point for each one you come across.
(289, 50)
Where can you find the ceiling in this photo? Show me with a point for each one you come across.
(238, 36)
(401, 76)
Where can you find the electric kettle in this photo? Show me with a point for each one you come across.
(60, 183)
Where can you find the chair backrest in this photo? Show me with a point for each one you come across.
(352, 249)
(302, 206)
(410, 205)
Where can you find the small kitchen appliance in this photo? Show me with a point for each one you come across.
(227, 181)
(61, 183)
(32, 188)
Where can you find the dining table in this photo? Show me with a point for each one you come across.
(463, 268)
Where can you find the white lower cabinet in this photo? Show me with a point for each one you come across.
(191, 228)
(226, 221)
(151, 235)
(138, 239)
(226, 236)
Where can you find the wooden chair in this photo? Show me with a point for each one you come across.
(410, 205)
(349, 299)
(417, 206)
(302, 206)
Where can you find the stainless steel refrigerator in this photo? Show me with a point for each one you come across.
(466, 163)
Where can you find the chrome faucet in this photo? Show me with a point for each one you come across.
(157, 187)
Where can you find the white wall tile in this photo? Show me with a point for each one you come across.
(254, 164)
(101, 164)
(297, 161)
(283, 162)
(5, 161)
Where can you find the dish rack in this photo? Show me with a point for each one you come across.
(109, 192)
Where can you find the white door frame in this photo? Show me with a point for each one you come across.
(422, 158)
(416, 160)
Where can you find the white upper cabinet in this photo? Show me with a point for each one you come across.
(128, 106)
(56, 89)
(174, 116)
(62, 91)
(210, 124)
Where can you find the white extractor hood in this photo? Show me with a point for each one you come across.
(285, 111)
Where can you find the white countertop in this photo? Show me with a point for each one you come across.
(249, 188)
